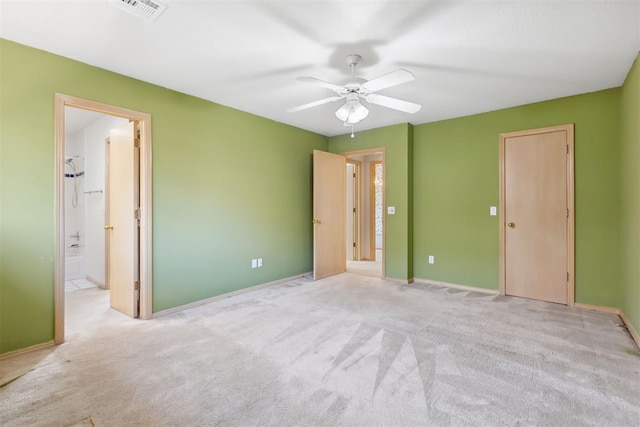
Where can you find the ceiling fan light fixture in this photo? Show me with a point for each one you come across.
(353, 89)
(352, 112)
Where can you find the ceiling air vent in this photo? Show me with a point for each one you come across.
(147, 9)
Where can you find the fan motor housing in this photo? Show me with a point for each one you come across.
(352, 83)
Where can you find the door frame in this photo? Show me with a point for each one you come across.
(372, 206)
(368, 152)
(569, 129)
(107, 219)
(146, 206)
(357, 201)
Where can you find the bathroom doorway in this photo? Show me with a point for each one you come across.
(365, 202)
(89, 162)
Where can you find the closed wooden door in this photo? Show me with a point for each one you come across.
(536, 210)
(122, 212)
(329, 220)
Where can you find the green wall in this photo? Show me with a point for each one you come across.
(456, 181)
(227, 187)
(397, 142)
(630, 124)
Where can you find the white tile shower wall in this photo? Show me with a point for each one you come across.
(74, 217)
(94, 148)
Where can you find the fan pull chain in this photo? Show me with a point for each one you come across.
(353, 135)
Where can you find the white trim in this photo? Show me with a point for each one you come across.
(230, 294)
(456, 286)
(29, 349)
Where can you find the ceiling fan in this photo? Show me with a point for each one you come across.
(355, 89)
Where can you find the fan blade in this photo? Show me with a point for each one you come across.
(396, 104)
(314, 104)
(318, 82)
(392, 79)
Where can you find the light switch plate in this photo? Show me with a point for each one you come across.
(259, 262)
(254, 263)
(391, 210)
(493, 211)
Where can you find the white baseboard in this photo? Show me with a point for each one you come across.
(228, 295)
(26, 350)
(456, 286)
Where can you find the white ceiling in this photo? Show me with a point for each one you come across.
(76, 119)
(468, 57)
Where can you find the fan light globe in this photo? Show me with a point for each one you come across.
(352, 112)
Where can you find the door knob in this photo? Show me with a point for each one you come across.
(108, 227)
(316, 221)
(511, 225)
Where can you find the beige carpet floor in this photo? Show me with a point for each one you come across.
(348, 350)
(365, 268)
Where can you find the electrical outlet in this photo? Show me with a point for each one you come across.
(254, 263)
(432, 259)
(259, 262)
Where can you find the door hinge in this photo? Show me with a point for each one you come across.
(354, 210)
(136, 142)
(354, 244)
(567, 276)
(567, 148)
(136, 285)
(354, 174)
(567, 213)
(136, 213)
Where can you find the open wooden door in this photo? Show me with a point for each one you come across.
(329, 222)
(122, 212)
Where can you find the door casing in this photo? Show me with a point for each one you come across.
(146, 256)
(357, 203)
(372, 206)
(569, 129)
(367, 152)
